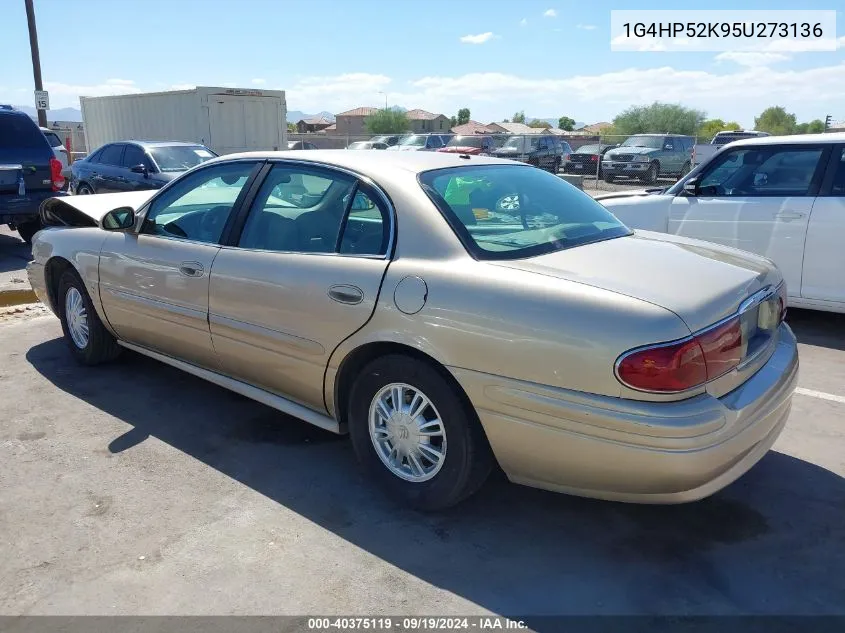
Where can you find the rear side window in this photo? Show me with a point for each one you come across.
(111, 155)
(20, 131)
(53, 139)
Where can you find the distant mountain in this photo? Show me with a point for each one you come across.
(62, 114)
(296, 115)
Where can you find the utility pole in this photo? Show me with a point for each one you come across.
(36, 58)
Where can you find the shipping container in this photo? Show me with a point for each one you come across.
(226, 120)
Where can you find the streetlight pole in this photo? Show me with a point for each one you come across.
(36, 58)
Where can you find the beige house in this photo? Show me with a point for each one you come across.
(351, 122)
(474, 127)
(423, 122)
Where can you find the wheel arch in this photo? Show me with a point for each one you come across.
(354, 361)
(54, 268)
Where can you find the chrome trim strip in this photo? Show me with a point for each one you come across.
(758, 297)
(254, 393)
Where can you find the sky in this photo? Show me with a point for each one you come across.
(548, 58)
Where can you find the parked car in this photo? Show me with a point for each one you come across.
(544, 151)
(420, 142)
(388, 139)
(649, 156)
(494, 314)
(367, 145)
(470, 144)
(587, 159)
(703, 152)
(29, 172)
(781, 197)
(59, 150)
(301, 145)
(134, 165)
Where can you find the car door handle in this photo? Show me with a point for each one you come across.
(191, 269)
(789, 215)
(346, 294)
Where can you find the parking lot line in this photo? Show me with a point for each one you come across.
(819, 394)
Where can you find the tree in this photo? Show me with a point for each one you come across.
(565, 123)
(667, 118)
(463, 116)
(775, 120)
(518, 117)
(711, 127)
(816, 126)
(506, 121)
(292, 127)
(538, 123)
(387, 122)
(453, 121)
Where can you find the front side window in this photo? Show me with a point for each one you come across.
(761, 171)
(328, 218)
(516, 211)
(134, 155)
(173, 158)
(838, 186)
(111, 155)
(198, 206)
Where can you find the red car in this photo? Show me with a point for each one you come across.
(475, 144)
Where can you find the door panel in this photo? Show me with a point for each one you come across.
(773, 227)
(149, 301)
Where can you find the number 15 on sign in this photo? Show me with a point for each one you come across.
(42, 100)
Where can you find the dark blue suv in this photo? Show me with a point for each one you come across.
(29, 172)
(135, 165)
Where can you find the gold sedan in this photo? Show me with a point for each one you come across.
(449, 312)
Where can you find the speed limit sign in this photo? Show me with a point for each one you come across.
(42, 100)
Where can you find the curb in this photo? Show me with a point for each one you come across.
(17, 296)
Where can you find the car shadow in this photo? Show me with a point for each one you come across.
(814, 327)
(14, 253)
(774, 542)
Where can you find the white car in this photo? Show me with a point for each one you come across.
(58, 147)
(781, 197)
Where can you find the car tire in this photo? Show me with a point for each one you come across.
(652, 173)
(84, 190)
(75, 310)
(466, 459)
(556, 166)
(28, 229)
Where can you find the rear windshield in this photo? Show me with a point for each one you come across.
(180, 157)
(587, 149)
(517, 211)
(465, 141)
(20, 131)
(53, 139)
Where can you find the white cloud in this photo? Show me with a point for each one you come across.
(477, 39)
(259, 81)
(550, 13)
(338, 92)
(63, 95)
(523, 22)
(751, 59)
(587, 27)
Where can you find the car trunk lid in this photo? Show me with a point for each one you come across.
(700, 282)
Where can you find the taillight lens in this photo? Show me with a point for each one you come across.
(681, 366)
(56, 174)
(594, 158)
(566, 157)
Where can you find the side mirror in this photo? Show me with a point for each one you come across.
(121, 219)
(139, 169)
(691, 187)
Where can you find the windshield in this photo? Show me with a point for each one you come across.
(415, 140)
(179, 157)
(517, 211)
(588, 149)
(360, 145)
(652, 142)
(465, 141)
(514, 142)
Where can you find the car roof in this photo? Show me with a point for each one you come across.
(375, 162)
(795, 139)
(160, 143)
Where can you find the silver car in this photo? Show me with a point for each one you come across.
(448, 312)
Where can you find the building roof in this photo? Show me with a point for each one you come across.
(315, 120)
(473, 127)
(362, 111)
(520, 128)
(422, 115)
(331, 128)
(595, 127)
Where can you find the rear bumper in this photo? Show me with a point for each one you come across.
(16, 209)
(624, 450)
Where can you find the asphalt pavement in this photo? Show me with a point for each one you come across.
(134, 488)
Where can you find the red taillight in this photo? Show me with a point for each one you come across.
(594, 158)
(566, 157)
(681, 366)
(56, 174)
